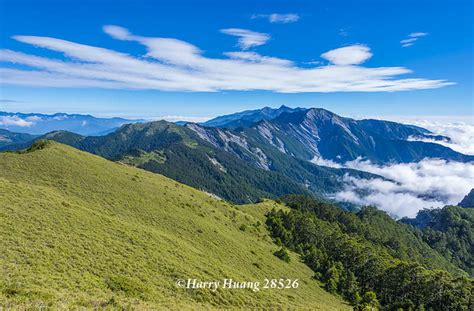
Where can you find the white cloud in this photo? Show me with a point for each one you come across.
(283, 18)
(247, 38)
(417, 34)
(257, 58)
(7, 121)
(461, 134)
(408, 40)
(175, 65)
(409, 186)
(33, 118)
(61, 118)
(412, 38)
(279, 18)
(349, 55)
(384, 195)
(117, 32)
(325, 162)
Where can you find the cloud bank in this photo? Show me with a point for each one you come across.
(409, 187)
(6, 121)
(461, 134)
(174, 65)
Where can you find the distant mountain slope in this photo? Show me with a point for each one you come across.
(320, 133)
(392, 130)
(450, 231)
(80, 232)
(229, 167)
(8, 138)
(248, 117)
(318, 179)
(37, 123)
(468, 200)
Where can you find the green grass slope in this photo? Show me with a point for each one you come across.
(77, 230)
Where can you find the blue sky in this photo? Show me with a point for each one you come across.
(205, 58)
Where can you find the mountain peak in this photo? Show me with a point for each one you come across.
(321, 114)
(266, 108)
(468, 200)
(248, 117)
(302, 115)
(39, 124)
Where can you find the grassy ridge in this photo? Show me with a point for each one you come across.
(78, 230)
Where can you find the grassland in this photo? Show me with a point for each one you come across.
(80, 231)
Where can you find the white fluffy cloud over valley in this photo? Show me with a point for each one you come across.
(407, 187)
(461, 134)
(6, 121)
(174, 65)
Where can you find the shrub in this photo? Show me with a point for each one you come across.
(282, 254)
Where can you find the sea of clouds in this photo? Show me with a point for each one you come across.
(461, 134)
(409, 187)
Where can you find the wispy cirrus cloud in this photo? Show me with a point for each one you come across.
(8, 101)
(247, 38)
(412, 37)
(418, 34)
(278, 18)
(174, 65)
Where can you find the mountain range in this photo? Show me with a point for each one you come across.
(37, 123)
(259, 153)
(315, 132)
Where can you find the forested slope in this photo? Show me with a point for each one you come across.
(369, 258)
